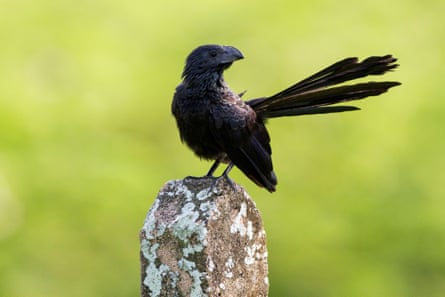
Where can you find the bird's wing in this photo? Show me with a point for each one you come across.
(245, 141)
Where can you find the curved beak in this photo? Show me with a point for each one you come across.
(231, 54)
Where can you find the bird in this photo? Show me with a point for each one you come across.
(217, 124)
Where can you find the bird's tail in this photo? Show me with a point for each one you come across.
(313, 94)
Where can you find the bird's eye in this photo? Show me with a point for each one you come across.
(213, 54)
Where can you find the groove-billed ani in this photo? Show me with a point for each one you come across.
(217, 125)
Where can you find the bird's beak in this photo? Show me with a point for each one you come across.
(231, 54)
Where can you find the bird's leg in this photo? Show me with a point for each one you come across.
(226, 175)
(213, 168)
(226, 172)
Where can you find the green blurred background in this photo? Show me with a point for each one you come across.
(87, 140)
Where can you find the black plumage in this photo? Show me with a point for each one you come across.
(218, 125)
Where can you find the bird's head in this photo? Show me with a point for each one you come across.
(210, 58)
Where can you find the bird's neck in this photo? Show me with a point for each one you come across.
(209, 81)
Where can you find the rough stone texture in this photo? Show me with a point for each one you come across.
(203, 237)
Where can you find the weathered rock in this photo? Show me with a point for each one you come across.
(203, 237)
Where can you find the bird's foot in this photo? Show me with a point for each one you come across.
(224, 179)
(226, 176)
(229, 181)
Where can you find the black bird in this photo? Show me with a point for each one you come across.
(218, 125)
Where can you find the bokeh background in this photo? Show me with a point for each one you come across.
(87, 140)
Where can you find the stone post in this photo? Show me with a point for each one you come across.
(203, 237)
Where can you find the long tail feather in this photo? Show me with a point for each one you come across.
(311, 95)
(315, 101)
